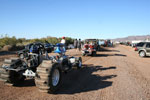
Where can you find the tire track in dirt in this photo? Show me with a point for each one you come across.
(127, 86)
(136, 72)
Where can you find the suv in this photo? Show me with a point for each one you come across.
(143, 49)
(139, 46)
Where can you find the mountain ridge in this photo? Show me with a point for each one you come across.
(131, 38)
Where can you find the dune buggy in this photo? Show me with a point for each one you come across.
(46, 70)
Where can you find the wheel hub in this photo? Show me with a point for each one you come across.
(142, 54)
(55, 77)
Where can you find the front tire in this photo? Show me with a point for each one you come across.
(49, 76)
(142, 54)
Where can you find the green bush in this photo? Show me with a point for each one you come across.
(13, 41)
(8, 41)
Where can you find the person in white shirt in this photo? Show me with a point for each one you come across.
(63, 41)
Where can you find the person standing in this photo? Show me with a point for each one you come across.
(79, 45)
(63, 41)
(75, 43)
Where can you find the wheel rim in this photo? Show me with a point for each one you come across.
(21, 56)
(80, 63)
(55, 77)
(142, 54)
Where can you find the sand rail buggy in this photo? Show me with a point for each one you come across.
(46, 70)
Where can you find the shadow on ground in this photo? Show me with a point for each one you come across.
(84, 80)
(2, 53)
(26, 83)
(106, 50)
(78, 81)
(106, 55)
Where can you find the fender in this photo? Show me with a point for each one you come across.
(141, 50)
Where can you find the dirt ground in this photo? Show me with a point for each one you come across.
(114, 74)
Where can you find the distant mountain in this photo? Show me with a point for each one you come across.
(131, 38)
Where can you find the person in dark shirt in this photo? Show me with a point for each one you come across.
(79, 45)
(75, 43)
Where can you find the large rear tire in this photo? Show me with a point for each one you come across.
(10, 76)
(48, 78)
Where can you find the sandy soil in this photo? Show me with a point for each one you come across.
(114, 74)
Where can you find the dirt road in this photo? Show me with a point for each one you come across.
(114, 74)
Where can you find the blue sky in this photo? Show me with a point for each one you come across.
(74, 18)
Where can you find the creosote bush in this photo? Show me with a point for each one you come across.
(9, 43)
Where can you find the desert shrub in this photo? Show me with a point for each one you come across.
(0, 48)
(6, 41)
(69, 40)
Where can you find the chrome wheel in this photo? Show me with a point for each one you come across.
(142, 54)
(55, 77)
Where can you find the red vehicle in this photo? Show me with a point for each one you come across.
(89, 49)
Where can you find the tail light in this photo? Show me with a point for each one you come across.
(91, 46)
(136, 49)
